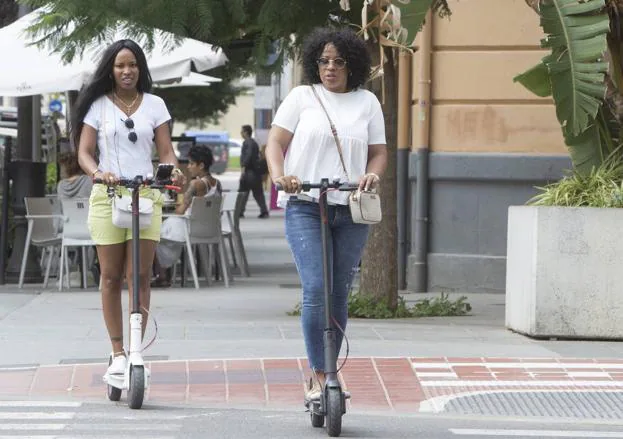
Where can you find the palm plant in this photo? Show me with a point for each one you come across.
(584, 75)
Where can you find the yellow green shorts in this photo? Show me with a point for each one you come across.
(103, 232)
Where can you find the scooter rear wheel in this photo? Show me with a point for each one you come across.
(334, 412)
(317, 419)
(136, 392)
(113, 393)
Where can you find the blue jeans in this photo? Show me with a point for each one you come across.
(346, 243)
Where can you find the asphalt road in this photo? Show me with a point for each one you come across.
(64, 420)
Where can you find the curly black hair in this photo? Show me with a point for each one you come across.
(201, 154)
(348, 45)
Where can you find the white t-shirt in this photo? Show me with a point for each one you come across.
(312, 153)
(117, 153)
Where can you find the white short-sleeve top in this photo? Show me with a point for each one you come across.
(312, 153)
(117, 153)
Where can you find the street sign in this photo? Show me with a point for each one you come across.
(55, 106)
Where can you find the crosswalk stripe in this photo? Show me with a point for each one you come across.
(31, 437)
(67, 404)
(37, 415)
(33, 427)
(125, 427)
(536, 433)
(79, 437)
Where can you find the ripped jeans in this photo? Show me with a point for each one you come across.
(346, 243)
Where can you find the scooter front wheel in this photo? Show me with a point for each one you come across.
(334, 412)
(136, 392)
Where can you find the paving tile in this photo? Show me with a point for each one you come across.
(53, 380)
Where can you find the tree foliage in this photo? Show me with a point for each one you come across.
(247, 30)
(202, 105)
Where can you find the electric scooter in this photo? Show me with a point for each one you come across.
(332, 402)
(135, 379)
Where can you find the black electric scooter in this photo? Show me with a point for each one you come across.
(332, 402)
(135, 380)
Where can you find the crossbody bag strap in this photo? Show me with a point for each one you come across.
(103, 128)
(333, 130)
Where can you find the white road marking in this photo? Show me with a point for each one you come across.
(436, 375)
(588, 374)
(55, 404)
(536, 433)
(537, 383)
(37, 415)
(116, 436)
(134, 427)
(551, 365)
(32, 427)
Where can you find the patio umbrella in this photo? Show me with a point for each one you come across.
(33, 70)
(192, 80)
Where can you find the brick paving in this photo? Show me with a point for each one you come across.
(403, 384)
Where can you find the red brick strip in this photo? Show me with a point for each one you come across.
(376, 384)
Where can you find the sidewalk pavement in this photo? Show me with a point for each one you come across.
(238, 347)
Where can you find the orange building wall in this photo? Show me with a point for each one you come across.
(476, 106)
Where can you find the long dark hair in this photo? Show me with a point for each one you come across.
(102, 82)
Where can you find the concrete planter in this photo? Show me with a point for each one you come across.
(564, 272)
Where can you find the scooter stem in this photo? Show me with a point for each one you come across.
(136, 332)
(330, 343)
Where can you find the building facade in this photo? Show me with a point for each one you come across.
(491, 142)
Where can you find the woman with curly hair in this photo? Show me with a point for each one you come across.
(336, 65)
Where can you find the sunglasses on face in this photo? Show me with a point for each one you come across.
(339, 63)
(129, 124)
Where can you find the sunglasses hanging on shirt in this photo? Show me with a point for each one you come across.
(129, 124)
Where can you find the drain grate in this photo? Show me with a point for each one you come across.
(574, 404)
(291, 286)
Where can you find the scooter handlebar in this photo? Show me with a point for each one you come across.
(337, 185)
(131, 183)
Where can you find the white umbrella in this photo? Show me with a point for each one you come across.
(192, 80)
(35, 71)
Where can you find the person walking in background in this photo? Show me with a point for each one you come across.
(336, 65)
(251, 177)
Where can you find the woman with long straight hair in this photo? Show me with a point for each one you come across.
(115, 126)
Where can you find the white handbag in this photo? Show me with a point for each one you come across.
(122, 204)
(365, 206)
(122, 212)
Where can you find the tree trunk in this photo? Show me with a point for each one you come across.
(379, 273)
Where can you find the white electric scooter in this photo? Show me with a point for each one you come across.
(136, 378)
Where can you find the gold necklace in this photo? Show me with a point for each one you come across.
(128, 107)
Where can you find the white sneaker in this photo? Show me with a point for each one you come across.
(313, 391)
(118, 365)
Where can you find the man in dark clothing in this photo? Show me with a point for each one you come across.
(251, 178)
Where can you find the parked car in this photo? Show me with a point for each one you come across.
(217, 141)
(235, 147)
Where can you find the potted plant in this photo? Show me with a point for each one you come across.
(564, 249)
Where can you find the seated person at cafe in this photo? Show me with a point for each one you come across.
(203, 184)
(75, 183)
